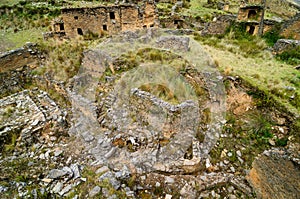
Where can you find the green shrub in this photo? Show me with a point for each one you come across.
(291, 56)
(271, 37)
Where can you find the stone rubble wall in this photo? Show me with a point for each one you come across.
(11, 60)
(14, 81)
(26, 113)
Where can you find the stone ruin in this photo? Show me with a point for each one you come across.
(25, 114)
(11, 60)
(135, 128)
(105, 19)
(252, 14)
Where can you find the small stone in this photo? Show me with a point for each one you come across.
(229, 154)
(232, 169)
(281, 129)
(69, 160)
(76, 171)
(207, 163)
(47, 180)
(239, 153)
(94, 191)
(213, 193)
(30, 164)
(226, 162)
(168, 196)
(65, 190)
(230, 189)
(57, 188)
(42, 156)
(112, 179)
(143, 177)
(241, 160)
(57, 152)
(76, 197)
(223, 153)
(3, 189)
(53, 138)
(56, 173)
(88, 137)
(35, 122)
(123, 174)
(47, 154)
(130, 194)
(204, 178)
(157, 184)
(272, 142)
(169, 180)
(231, 196)
(102, 170)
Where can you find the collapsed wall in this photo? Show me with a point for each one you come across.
(17, 58)
(15, 68)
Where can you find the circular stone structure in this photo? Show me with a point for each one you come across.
(151, 100)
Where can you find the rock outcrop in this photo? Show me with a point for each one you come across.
(285, 44)
(276, 174)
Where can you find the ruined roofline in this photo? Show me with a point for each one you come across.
(252, 7)
(125, 5)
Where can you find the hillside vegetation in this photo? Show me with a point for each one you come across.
(262, 105)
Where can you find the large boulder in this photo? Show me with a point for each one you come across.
(276, 174)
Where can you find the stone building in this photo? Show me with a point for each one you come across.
(110, 19)
(252, 15)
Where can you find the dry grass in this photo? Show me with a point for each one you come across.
(162, 81)
(238, 102)
(63, 58)
(264, 73)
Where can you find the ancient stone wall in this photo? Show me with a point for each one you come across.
(20, 57)
(110, 19)
(219, 26)
(250, 13)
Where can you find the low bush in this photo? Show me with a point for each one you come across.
(272, 36)
(291, 56)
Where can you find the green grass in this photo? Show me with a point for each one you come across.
(9, 2)
(290, 56)
(13, 40)
(200, 8)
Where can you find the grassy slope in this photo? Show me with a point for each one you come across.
(264, 73)
(10, 40)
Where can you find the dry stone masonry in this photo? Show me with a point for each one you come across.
(136, 129)
(105, 19)
(25, 115)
